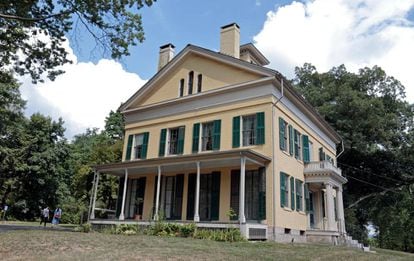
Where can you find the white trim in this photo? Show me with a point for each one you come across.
(197, 195)
(122, 214)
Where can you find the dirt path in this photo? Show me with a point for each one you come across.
(13, 227)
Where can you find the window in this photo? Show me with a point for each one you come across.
(252, 128)
(282, 135)
(207, 136)
(284, 189)
(299, 195)
(190, 82)
(297, 143)
(255, 194)
(199, 82)
(138, 144)
(249, 130)
(171, 141)
(181, 90)
(175, 137)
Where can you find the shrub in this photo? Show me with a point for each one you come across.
(228, 235)
(85, 228)
(187, 230)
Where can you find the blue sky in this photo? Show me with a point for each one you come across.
(182, 22)
(326, 33)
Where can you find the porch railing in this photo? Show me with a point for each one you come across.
(321, 166)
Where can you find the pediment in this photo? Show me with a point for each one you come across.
(216, 70)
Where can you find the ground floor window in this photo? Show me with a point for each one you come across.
(134, 198)
(209, 198)
(255, 194)
(171, 196)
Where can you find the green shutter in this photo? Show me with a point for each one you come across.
(292, 193)
(216, 134)
(290, 140)
(163, 137)
(215, 195)
(129, 147)
(305, 146)
(196, 137)
(145, 145)
(262, 193)
(236, 132)
(282, 134)
(260, 129)
(180, 145)
(282, 189)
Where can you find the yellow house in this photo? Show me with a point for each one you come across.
(218, 139)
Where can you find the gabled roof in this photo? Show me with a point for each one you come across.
(192, 49)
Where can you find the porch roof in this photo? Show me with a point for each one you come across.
(174, 163)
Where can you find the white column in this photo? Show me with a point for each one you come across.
(197, 195)
(340, 206)
(330, 207)
(242, 217)
(157, 198)
(95, 191)
(122, 214)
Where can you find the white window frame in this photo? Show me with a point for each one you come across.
(200, 136)
(134, 152)
(241, 130)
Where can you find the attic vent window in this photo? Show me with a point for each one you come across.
(199, 82)
(190, 82)
(181, 90)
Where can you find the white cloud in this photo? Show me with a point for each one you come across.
(328, 33)
(84, 95)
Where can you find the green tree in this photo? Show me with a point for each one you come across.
(11, 121)
(369, 111)
(40, 171)
(33, 31)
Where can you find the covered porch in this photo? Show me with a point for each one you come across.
(214, 190)
(326, 222)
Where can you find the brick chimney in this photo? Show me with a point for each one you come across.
(166, 55)
(230, 40)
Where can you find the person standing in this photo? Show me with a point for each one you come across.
(57, 214)
(44, 216)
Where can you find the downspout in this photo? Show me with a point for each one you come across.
(343, 149)
(340, 153)
(273, 153)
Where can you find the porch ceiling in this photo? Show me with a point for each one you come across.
(179, 163)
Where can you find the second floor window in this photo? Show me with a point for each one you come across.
(171, 141)
(138, 148)
(249, 130)
(207, 136)
(297, 144)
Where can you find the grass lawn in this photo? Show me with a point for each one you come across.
(51, 245)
